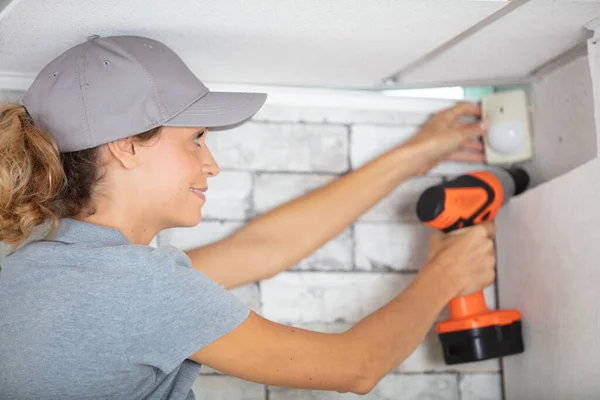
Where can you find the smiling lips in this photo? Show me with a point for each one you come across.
(199, 192)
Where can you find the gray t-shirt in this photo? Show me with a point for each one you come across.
(88, 315)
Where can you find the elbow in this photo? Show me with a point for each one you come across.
(364, 377)
(367, 363)
(363, 386)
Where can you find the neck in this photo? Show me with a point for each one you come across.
(137, 229)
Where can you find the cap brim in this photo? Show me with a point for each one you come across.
(220, 110)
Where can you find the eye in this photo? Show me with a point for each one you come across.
(197, 137)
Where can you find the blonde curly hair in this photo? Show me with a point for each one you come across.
(37, 183)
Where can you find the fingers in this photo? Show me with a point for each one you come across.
(436, 236)
(469, 130)
(487, 228)
(470, 151)
(466, 156)
(464, 109)
(475, 145)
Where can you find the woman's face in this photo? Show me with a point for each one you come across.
(177, 167)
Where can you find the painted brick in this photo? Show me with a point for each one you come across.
(229, 196)
(400, 205)
(282, 147)
(249, 294)
(272, 189)
(324, 115)
(480, 387)
(303, 297)
(221, 387)
(405, 387)
(369, 141)
(202, 234)
(335, 255)
(383, 246)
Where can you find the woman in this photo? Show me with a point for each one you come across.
(107, 151)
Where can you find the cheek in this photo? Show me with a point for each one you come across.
(176, 173)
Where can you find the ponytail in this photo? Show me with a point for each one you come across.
(31, 175)
(37, 183)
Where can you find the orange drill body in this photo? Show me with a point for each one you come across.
(468, 200)
(473, 332)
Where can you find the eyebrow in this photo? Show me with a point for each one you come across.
(200, 132)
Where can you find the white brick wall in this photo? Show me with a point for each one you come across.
(404, 387)
(399, 205)
(480, 386)
(384, 246)
(282, 147)
(288, 151)
(230, 196)
(220, 387)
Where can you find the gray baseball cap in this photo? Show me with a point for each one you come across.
(109, 88)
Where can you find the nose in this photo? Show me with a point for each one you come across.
(209, 165)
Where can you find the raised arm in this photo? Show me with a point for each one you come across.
(280, 238)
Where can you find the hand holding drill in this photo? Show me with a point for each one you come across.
(466, 256)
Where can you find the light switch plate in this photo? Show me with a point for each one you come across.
(510, 107)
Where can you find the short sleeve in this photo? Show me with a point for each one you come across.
(174, 311)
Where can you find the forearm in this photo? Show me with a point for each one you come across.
(289, 233)
(389, 335)
(282, 237)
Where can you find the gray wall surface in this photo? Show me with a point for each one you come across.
(548, 246)
(563, 121)
(548, 257)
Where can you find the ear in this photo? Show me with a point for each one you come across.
(124, 151)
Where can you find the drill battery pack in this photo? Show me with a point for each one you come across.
(482, 343)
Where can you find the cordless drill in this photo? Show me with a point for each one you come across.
(474, 332)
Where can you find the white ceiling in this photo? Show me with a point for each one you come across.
(513, 46)
(342, 43)
(290, 42)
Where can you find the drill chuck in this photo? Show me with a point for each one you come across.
(513, 180)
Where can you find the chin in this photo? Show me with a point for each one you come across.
(185, 220)
(193, 218)
(186, 215)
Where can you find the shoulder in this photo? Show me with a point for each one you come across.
(149, 263)
(151, 255)
(123, 259)
(167, 252)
